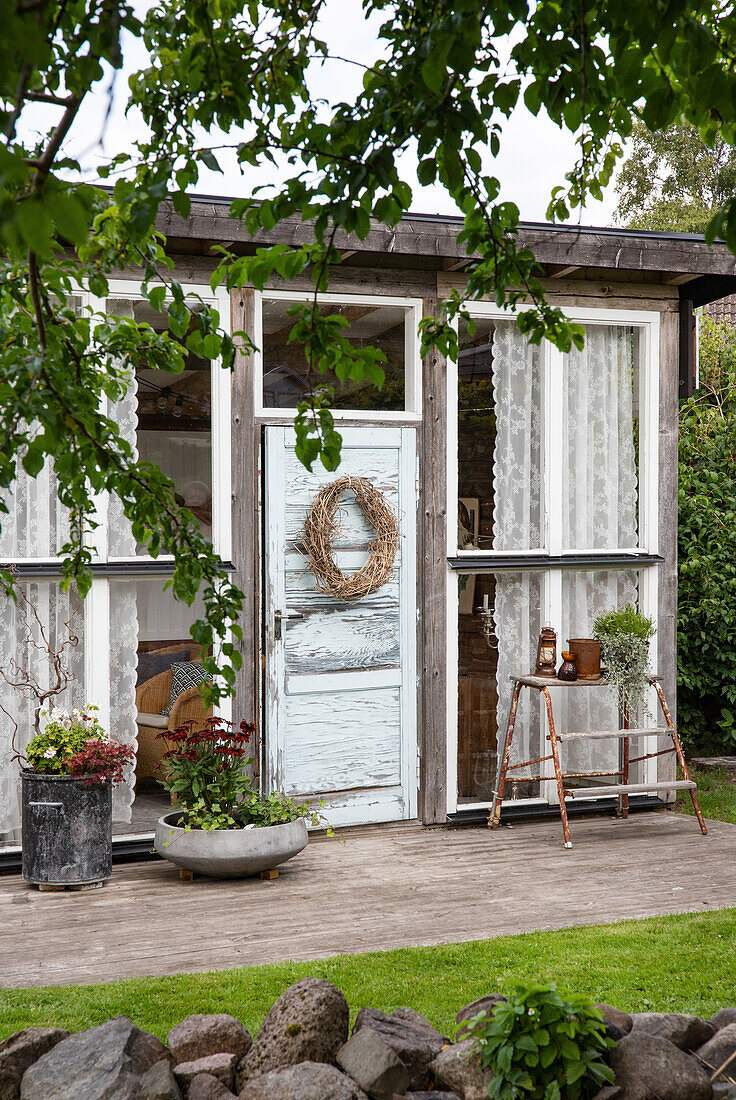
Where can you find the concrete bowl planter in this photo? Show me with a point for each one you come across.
(228, 853)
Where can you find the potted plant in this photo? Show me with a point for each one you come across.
(624, 634)
(67, 799)
(222, 826)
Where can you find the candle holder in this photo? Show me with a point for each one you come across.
(547, 654)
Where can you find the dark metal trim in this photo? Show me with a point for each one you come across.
(142, 568)
(511, 811)
(550, 561)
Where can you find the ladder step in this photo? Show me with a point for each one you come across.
(633, 732)
(632, 788)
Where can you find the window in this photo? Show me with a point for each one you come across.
(389, 324)
(557, 484)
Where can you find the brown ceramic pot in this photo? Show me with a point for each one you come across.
(587, 656)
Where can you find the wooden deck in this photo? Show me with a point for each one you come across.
(384, 888)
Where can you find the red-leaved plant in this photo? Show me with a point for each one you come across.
(205, 769)
(101, 761)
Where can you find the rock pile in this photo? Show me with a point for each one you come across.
(303, 1052)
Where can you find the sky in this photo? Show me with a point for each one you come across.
(535, 154)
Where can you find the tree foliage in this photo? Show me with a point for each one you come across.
(238, 74)
(672, 180)
(706, 640)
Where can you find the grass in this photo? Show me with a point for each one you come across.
(716, 795)
(674, 963)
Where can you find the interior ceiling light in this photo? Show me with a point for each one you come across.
(177, 409)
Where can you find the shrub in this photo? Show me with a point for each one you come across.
(541, 1047)
(706, 624)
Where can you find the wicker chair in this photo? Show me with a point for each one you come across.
(150, 698)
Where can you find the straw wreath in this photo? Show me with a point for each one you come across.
(322, 527)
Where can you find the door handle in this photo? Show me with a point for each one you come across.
(279, 617)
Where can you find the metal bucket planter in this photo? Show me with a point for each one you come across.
(66, 830)
(228, 853)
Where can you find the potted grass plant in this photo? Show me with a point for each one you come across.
(624, 634)
(222, 826)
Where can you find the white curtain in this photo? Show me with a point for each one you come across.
(599, 512)
(599, 485)
(21, 646)
(123, 603)
(37, 523)
(517, 525)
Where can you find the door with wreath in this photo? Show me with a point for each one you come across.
(341, 669)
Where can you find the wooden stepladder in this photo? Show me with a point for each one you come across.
(622, 789)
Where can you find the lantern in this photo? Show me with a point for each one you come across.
(547, 654)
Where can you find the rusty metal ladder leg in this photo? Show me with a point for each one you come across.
(556, 761)
(680, 755)
(494, 818)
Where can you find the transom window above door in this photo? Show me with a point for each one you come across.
(388, 324)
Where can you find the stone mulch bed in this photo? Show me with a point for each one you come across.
(303, 1052)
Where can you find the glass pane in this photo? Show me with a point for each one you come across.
(600, 440)
(149, 633)
(286, 373)
(499, 439)
(499, 624)
(24, 656)
(168, 417)
(585, 595)
(37, 523)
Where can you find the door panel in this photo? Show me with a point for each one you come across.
(341, 678)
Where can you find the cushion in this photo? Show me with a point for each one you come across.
(186, 674)
(151, 664)
(159, 721)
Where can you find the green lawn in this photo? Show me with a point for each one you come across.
(678, 963)
(716, 795)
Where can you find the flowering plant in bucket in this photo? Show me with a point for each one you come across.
(204, 768)
(76, 744)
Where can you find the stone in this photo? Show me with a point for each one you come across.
(305, 1081)
(221, 1066)
(458, 1069)
(433, 1094)
(308, 1023)
(686, 1032)
(725, 1016)
(159, 1083)
(615, 1016)
(100, 1063)
(410, 1036)
(723, 1091)
(198, 1036)
(648, 1067)
(609, 1092)
(614, 1032)
(21, 1050)
(719, 1048)
(373, 1064)
(206, 1087)
(485, 1005)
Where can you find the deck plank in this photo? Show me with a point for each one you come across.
(379, 890)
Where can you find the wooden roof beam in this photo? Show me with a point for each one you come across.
(555, 271)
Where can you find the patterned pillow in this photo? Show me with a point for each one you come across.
(186, 674)
(152, 663)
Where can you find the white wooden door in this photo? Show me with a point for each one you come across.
(341, 679)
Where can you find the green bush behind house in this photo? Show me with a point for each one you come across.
(706, 622)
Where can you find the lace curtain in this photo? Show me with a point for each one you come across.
(37, 523)
(123, 604)
(517, 520)
(599, 512)
(20, 642)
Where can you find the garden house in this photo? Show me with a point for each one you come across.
(531, 487)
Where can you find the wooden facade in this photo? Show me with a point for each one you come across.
(412, 679)
(611, 270)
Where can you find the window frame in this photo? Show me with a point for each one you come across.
(412, 411)
(549, 559)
